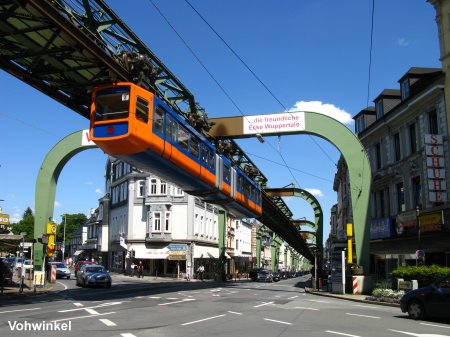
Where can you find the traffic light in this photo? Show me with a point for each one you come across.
(132, 254)
(51, 245)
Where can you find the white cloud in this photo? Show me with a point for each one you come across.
(89, 183)
(57, 204)
(402, 42)
(324, 108)
(315, 192)
(99, 191)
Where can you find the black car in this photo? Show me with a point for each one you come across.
(92, 274)
(276, 276)
(253, 274)
(431, 301)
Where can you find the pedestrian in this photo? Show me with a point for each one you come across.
(133, 269)
(200, 271)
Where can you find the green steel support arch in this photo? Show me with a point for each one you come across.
(311, 199)
(47, 179)
(222, 222)
(345, 141)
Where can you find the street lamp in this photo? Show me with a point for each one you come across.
(63, 248)
(22, 234)
(418, 235)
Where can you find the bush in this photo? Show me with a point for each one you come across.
(423, 274)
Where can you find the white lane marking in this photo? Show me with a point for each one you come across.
(78, 317)
(65, 287)
(107, 322)
(234, 312)
(185, 300)
(204, 319)
(436, 325)
(263, 304)
(172, 298)
(94, 307)
(154, 297)
(92, 311)
(127, 335)
(5, 312)
(215, 295)
(318, 301)
(305, 308)
(362, 306)
(341, 333)
(367, 316)
(291, 298)
(273, 320)
(419, 334)
(78, 304)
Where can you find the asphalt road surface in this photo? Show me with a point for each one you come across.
(182, 309)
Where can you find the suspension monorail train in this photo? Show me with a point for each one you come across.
(134, 125)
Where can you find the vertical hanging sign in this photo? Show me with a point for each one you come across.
(434, 151)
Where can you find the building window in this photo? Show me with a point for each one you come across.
(397, 152)
(382, 204)
(202, 226)
(168, 223)
(156, 222)
(163, 187)
(378, 156)
(360, 124)
(412, 138)
(379, 109)
(141, 188)
(405, 89)
(179, 192)
(400, 197)
(153, 186)
(196, 225)
(416, 189)
(433, 122)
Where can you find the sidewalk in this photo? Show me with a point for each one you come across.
(349, 297)
(13, 289)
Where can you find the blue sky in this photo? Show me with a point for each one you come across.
(311, 54)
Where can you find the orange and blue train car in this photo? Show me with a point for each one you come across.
(136, 126)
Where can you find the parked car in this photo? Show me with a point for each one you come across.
(18, 263)
(253, 274)
(430, 301)
(93, 274)
(80, 263)
(291, 274)
(61, 269)
(265, 275)
(276, 276)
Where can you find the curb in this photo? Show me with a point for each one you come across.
(348, 298)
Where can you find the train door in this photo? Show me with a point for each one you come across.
(204, 159)
(219, 171)
(233, 182)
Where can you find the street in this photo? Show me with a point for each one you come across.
(132, 308)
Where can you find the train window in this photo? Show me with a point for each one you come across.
(194, 147)
(183, 137)
(169, 127)
(112, 103)
(240, 183)
(141, 109)
(211, 159)
(158, 118)
(226, 172)
(205, 155)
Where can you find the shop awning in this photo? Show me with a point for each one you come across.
(78, 252)
(206, 252)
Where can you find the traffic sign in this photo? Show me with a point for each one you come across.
(420, 254)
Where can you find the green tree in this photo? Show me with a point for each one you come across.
(72, 223)
(25, 225)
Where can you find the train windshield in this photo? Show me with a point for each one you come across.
(112, 103)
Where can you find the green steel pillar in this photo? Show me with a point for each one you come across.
(222, 223)
(46, 182)
(258, 249)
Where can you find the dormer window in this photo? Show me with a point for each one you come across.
(379, 108)
(360, 124)
(405, 89)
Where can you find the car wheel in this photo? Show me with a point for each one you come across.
(108, 285)
(83, 284)
(416, 310)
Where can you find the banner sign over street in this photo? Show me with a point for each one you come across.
(274, 123)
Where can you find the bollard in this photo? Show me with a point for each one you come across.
(355, 285)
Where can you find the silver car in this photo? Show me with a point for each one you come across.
(61, 270)
(93, 274)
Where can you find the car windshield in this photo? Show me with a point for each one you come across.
(94, 269)
(60, 265)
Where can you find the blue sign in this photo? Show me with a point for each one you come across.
(177, 247)
(62, 245)
(381, 228)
